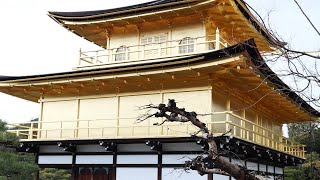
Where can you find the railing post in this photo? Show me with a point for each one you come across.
(109, 57)
(159, 50)
(264, 137)
(61, 129)
(272, 140)
(79, 60)
(241, 130)
(31, 131)
(141, 51)
(195, 44)
(227, 122)
(268, 138)
(254, 133)
(217, 39)
(97, 53)
(127, 54)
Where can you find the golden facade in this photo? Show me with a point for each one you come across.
(188, 51)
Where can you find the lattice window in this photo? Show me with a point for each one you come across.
(121, 53)
(186, 45)
(152, 44)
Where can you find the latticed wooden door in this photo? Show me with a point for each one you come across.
(85, 174)
(100, 174)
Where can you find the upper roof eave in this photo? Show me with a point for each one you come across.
(98, 16)
(85, 15)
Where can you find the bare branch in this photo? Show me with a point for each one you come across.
(305, 15)
(204, 165)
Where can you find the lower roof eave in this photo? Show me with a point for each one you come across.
(241, 148)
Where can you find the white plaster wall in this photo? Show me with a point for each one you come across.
(137, 159)
(65, 159)
(137, 173)
(279, 170)
(181, 174)
(252, 166)
(94, 159)
(177, 158)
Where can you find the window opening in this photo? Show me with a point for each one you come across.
(121, 53)
(152, 45)
(186, 45)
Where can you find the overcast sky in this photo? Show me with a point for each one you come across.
(32, 43)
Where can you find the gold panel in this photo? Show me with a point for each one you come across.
(57, 116)
(99, 115)
(197, 101)
(219, 104)
(129, 111)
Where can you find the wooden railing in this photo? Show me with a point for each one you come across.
(252, 132)
(149, 51)
(26, 130)
(219, 122)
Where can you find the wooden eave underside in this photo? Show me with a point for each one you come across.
(232, 75)
(222, 13)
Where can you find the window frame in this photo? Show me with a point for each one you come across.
(122, 53)
(186, 45)
(153, 45)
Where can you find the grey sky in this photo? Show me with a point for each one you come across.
(32, 43)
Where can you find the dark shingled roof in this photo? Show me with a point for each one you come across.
(106, 11)
(248, 46)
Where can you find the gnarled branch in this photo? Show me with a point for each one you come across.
(214, 163)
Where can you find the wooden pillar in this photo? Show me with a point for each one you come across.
(74, 173)
(169, 39)
(114, 166)
(74, 170)
(118, 114)
(159, 165)
(228, 119)
(77, 123)
(39, 135)
(108, 46)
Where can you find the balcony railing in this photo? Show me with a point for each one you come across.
(257, 134)
(164, 49)
(219, 122)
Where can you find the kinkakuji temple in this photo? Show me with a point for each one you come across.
(205, 54)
